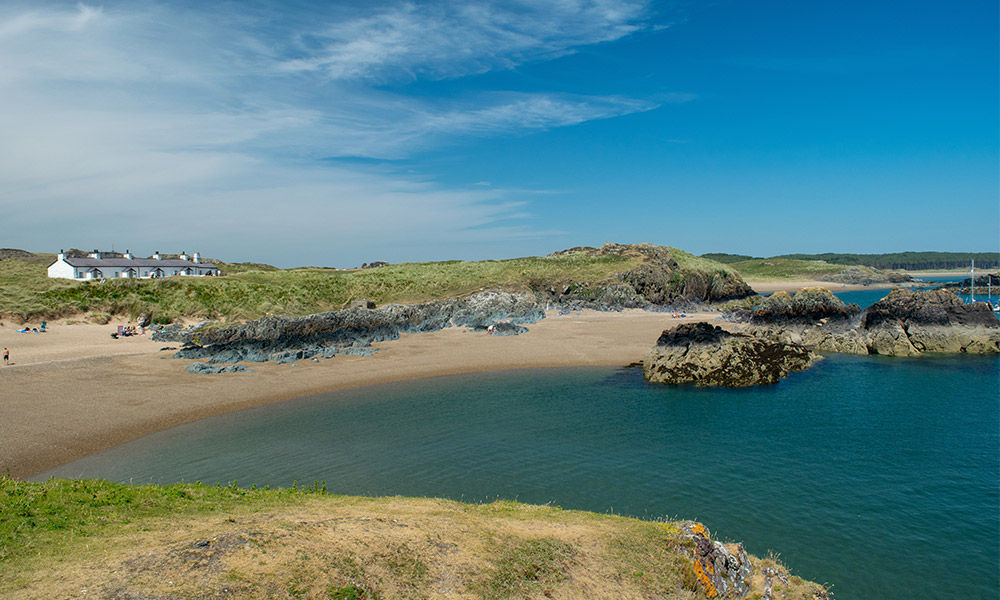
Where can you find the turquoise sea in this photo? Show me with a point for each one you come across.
(880, 476)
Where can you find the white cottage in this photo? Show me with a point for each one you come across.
(98, 266)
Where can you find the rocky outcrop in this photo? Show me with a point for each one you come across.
(866, 276)
(207, 369)
(907, 323)
(659, 280)
(812, 317)
(349, 331)
(904, 323)
(708, 355)
(983, 283)
(723, 571)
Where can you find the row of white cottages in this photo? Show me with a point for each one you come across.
(98, 266)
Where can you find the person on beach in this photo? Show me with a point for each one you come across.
(6, 356)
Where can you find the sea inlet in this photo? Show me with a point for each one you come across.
(880, 476)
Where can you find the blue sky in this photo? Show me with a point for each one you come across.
(325, 133)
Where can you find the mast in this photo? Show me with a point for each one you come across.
(972, 282)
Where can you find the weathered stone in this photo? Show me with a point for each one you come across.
(208, 369)
(906, 323)
(708, 355)
(723, 571)
(361, 303)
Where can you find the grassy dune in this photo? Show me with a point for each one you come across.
(249, 291)
(62, 537)
(768, 269)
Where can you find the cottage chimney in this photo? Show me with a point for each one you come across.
(196, 258)
(156, 255)
(95, 254)
(183, 256)
(61, 255)
(127, 255)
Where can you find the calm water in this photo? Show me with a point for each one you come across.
(878, 475)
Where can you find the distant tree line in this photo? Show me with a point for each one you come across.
(911, 261)
(727, 258)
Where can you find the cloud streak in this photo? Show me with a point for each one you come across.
(165, 110)
(446, 40)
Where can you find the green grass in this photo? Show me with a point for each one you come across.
(29, 294)
(39, 519)
(305, 543)
(784, 268)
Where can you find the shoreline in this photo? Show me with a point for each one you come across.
(74, 391)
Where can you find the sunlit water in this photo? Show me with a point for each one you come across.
(878, 475)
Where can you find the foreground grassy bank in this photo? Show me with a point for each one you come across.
(251, 291)
(80, 538)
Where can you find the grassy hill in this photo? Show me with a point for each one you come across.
(784, 268)
(88, 538)
(250, 291)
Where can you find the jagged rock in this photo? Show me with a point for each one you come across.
(812, 317)
(658, 281)
(905, 323)
(352, 330)
(723, 572)
(711, 356)
(809, 305)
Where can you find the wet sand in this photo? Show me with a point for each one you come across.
(74, 390)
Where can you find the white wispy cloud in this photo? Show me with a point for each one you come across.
(139, 113)
(453, 39)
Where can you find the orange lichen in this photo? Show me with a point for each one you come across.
(699, 571)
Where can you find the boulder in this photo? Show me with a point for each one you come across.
(906, 323)
(708, 355)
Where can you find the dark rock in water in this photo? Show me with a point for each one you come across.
(812, 317)
(711, 356)
(906, 323)
(207, 369)
(984, 283)
(807, 306)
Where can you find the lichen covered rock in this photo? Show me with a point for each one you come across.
(906, 323)
(708, 355)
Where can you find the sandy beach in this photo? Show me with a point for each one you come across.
(771, 286)
(74, 390)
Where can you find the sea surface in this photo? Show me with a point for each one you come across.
(878, 475)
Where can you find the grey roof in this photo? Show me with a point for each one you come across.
(136, 262)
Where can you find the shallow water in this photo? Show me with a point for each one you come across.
(878, 475)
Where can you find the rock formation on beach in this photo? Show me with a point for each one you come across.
(708, 355)
(350, 331)
(659, 280)
(866, 276)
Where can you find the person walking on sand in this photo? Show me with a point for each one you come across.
(6, 356)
